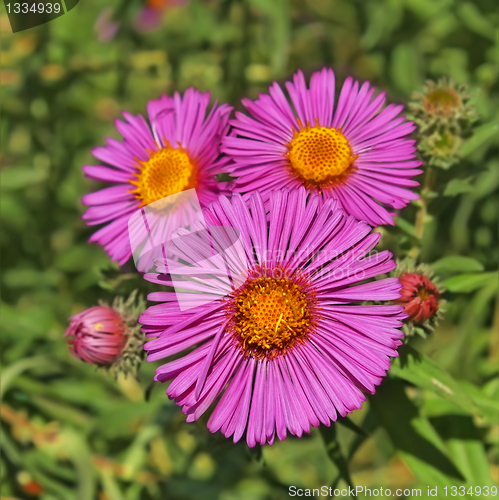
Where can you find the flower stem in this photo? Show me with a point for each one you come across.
(422, 211)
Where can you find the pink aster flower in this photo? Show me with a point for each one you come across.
(176, 151)
(97, 335)
(355, 154)
(290, 347)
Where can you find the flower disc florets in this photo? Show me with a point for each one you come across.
(320, 156)
(271, 312)
(168, 171)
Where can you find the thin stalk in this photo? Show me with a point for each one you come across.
(422, 211)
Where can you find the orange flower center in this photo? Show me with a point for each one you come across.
(271, 315)
(319, 155)
(168, 171)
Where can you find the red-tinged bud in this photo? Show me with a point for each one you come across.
(420, 298)
(97, 335)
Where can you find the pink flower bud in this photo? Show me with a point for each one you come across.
(420, 297)
(97, 335)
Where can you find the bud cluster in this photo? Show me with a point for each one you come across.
(444, 118)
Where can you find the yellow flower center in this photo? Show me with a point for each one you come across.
(168, 171)
(271, 315)
(320, 155)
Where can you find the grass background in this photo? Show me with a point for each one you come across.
(70, 432)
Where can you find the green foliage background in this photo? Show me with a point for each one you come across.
(70, 432)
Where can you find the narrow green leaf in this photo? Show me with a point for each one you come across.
(466, 283)
(489, 403)
(14, 370)
(462, 440)
(456, 264)
(407, 227)
(421, 371)
(404, 68)
(80, 454)
(480, 136)
(458, 186)
(62, 412)
(412, 435)
(59, 489)
(21, 177)
(111, 486)
(475, 21)
(136, 454)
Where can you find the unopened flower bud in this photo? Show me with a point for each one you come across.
(443, 105)
(110, 336)
(420, 297)
(441, 149)
(97, 335)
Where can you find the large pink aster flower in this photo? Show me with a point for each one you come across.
(177, 150)
(355, 153)
(286, 347)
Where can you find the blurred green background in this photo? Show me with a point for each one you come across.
(71, 432)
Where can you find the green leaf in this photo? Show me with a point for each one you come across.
(21, 177)
(434, 406)
(404, 68)
(62, 412)
(111, 486)
(80, 454)
(473, 19)
(489, 403)
(13, 211)
(458, 186)
(463, 443)
(421, 371)
(405, 226)
(413, 435)
(25, 277)
(480, 136)
(82, 258)
(466, 283)
(277, 13)
(14, 370)
(456, 264)
(31, 461)
(136, 455)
